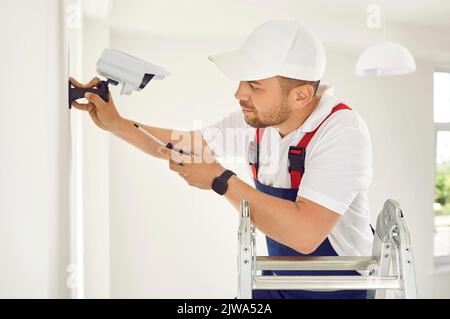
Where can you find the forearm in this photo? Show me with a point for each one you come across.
(125, 130)
(280, 219)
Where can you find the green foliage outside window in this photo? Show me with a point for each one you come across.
(442, 190)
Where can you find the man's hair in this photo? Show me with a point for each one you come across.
(287, 84)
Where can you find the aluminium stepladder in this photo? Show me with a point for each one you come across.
(391, 266)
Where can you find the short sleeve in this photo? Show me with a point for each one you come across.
(339, 165)
(229, 136)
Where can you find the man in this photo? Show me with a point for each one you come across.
(314, 201)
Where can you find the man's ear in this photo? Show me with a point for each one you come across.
(301, 95)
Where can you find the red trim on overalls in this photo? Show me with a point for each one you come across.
(258, 137)
(296, 153)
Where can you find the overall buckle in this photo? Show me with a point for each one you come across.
(297, 159)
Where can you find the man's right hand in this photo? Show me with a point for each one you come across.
(104, 114)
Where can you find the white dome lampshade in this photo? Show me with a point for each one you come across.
(385, 58)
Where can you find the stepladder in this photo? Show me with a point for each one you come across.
(389, 268)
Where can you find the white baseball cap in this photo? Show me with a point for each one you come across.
(278, 47)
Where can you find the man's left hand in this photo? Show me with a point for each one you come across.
(197, 171)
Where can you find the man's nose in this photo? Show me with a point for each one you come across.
(241, 92)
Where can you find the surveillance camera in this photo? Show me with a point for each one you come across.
(120, 68)
(133, 73)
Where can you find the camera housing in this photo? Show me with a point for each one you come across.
(134, 74)
(120, 68)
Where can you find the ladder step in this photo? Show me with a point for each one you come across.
(315, 263)
(325, 282)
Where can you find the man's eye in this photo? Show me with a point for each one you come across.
(253, 87)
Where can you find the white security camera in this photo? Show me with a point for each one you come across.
(133, 73)
(120, 68)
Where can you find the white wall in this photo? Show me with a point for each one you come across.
(169, 240)
(95, 173)
(35, 152)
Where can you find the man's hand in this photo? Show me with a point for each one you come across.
(104, 114)
(198, 171)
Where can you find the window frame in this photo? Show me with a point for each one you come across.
(440, 262)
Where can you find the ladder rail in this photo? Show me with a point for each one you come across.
(245, 255)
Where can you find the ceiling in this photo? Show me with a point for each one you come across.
(217, 17)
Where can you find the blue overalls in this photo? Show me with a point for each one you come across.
(296, 170)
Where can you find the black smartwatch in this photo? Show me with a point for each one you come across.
(220, 183)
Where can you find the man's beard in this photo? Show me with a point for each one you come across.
(272, 117)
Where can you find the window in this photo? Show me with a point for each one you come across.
(441, 84)
(441, 206)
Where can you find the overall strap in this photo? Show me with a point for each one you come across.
(255, 166)
(297, 153)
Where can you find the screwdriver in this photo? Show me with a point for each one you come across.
(157, 140)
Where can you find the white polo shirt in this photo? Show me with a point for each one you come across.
(338, 165)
